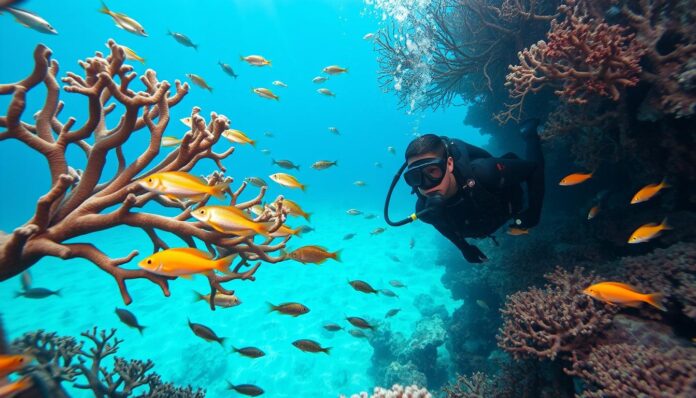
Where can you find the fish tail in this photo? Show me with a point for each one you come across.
(140, 329)
(297, 232)
(57, 292)
(307, 216)
(271, 307)
(198, 297)
(104, 9)
(219, 190)
(655, 299)
(269, 63)
(336, 255)
(326, 350)
(19, 294)
(664, 183)
(210, 89)
(664, 224)
(303, 187)
(252, 143)
(241, 58)
(223, 264)
(195, 46)
(221, 341)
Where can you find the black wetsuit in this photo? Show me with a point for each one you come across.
(489, 194)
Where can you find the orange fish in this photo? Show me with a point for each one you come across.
(12, 363)
(10, 390)
(593, 212)
(647, 192)
(620, 293)
(517, 231)
(184, 262)
(575, 178)
(313, 254)
(649, 231)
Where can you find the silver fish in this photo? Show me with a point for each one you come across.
(31, 20)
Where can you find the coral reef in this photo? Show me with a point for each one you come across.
(64, 359)
(556, 320)
(397, 391)
(82, 202)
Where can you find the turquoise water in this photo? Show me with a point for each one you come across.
(301, 38)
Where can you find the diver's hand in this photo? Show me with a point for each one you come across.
(524, 220)
(472, 254)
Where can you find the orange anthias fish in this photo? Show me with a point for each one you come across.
(593, 212)
(184, 261)
(620, 293)
(12, 363)
(313, 254)
(575, 178)
(10, 390)
(647, 192)
(230, 220)
(649, 231)
(182, 185)
(517, 231)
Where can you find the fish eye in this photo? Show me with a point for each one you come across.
(149, 180)
(149, 261)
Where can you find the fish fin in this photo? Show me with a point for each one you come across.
(192, 251)
(326, 350)
(104, 9)
(187, 277)
(655, 299)
(140, 329)
(195, 46)
(303, 187)
(297, 232)
(633, 304)
(252, 143)
(198, 297)
(664, 224)
(307, 216)
(223, 264)
(271, 307)
(241, 58)
(57, 292)
(622, 285)
(219, 190)
(664, 183)
(337, 255)
(221, 341)
(19, 294)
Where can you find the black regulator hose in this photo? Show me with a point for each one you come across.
(413, 217)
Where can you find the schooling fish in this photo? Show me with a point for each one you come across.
(593, 212)
(647, 192)
(295, 209)
(284, 230)
(517, 231)
(319, 79)
(256, 60)
(184, 261)
(279, 83)
(250, 352)
(227, 69)
(246, 389)
(353, 212)
(369, 36)
(575, 178)
(182, 39)
(334, 70)
(182, 185)
(168, 141)
(391, 150)
(292, 309)
(286, 164)
(31, 20)
(287, 180)
(313, 254)
(360, 323)
(238, 137)
(265, 93)
(370, 216)
(12, 363)
(130, 54)
(205, 333)
(37, 293)
(411, 243)
(378, 231)
(362, 286)
(199, 81)
(26, 280)
(349, 236)
(649, 231)
(221, 300)
(326, 92)
(359, 183)
(334, 130)
(392, 312)
(332, 327)
(129, 319)
(388, 293)
(305, 228)
(310, 346)
(123, 21)
(621, 293)
(396, 283)
(256, 181)
(483, 305)
(324, 164)
(357, 333)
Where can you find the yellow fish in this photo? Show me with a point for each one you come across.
(265, 93)
(287, 180)
(593, 212)
(334, 70)
(12, 389)
(313, 254)
(256, 210)
(575, 178)
(517, 231)
(168, 141)
(255, 60)
(326, 92)
(238, 137)
(230, 220)
(284, 230)
(295, 209)
(182, 185)
(130, 54)
(185, 261)
(199, 81)
(123, 21)
(648, 231)
(12, 363)
(620, 293)
(646, 193)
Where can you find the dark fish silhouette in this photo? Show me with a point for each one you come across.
(332, 327)
(286, 164)
(251, 352)
(293, 309)
(246, 389)
(37, 293)
(349, 236)
(227, 69)
(183, 39)
(310, 346)
(396, 283)
(357, 333)
(129, 319)
(359, 322)
(362, 286)
(388, 293)
(205, 333)
(26, 280)
(392, 312)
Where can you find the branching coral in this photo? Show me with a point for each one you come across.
(64, 359)
(79, 203)
(556, 320)
(397, 391)
(582, 57)
(624, 370)
(476, 386)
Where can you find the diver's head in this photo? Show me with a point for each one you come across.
(430, 167)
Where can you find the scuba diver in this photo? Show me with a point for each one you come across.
(464, 192)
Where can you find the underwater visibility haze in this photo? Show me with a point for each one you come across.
(376, 198)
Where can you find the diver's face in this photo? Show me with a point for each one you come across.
(444, 188)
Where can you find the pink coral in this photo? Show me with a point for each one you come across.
(397, 391)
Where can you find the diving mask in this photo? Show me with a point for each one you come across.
(425, 173)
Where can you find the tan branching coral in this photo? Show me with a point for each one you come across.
(82, 202)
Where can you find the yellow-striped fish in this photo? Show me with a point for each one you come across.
(230, 220)
(649, 231)
(182, 185)
(287, 180)
(265, 93)
(255, 60)
(123, 21)
(130, 54)
(199, 81)
(647, 192)
(284, 230)
(295, 209)
(279, 83)
(238, 137)
(185, 261)
(334, 70)
(168, 141)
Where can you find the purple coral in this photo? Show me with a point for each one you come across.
(397, 391)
